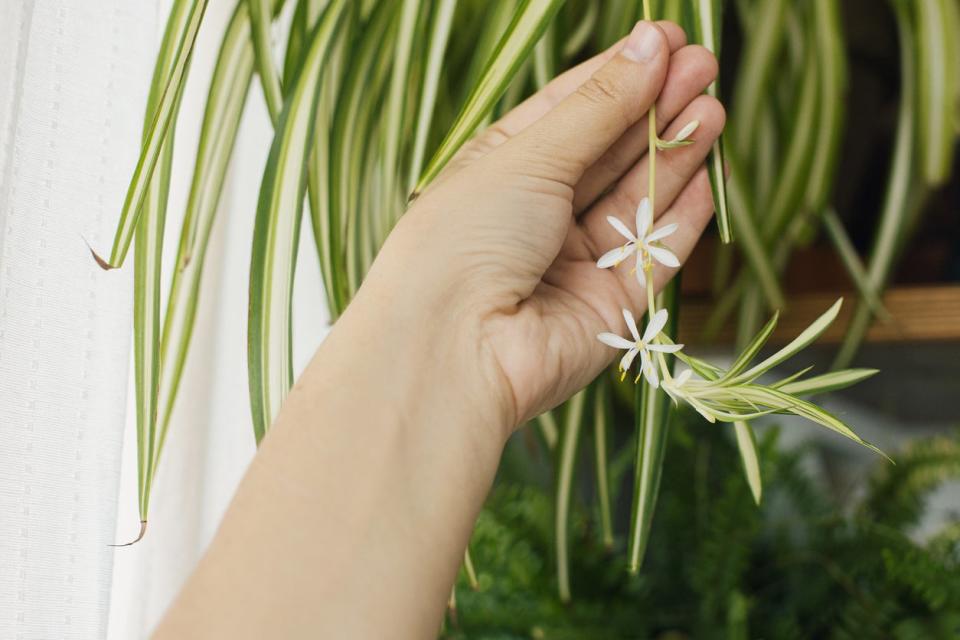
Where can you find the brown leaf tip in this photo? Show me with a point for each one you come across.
(106, 266)
(143, 530)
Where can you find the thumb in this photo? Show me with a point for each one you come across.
(575, 133)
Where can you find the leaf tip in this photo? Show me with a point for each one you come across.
(143, 530)
(103, 264)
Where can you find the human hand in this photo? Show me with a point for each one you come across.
(497, 258)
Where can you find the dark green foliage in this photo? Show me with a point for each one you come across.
(801, 566)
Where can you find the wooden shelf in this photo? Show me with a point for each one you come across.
(920, 314)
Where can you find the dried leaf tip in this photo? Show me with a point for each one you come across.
(143, 530)
(103, 264)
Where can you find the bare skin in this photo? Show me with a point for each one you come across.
(480, 312)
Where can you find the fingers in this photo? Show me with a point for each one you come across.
(552, 94)
(567, 140)
(692, 69)
(674, 169)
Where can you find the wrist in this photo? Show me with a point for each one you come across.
(421, 347)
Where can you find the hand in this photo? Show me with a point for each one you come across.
(501, 250)
(481, 310)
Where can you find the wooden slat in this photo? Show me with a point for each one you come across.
(920, 314)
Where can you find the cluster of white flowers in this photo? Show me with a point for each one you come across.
(647, 245)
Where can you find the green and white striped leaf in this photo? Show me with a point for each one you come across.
(394, 116)
(707, 19)
(748, 353)
(832, 65)
(148, 234)
(343, 259)
(894, 215)
(229, 86)
(760, 58)
(936, 59)
(652, 422)
(832, 381)
(261, 19)
(785, 402)
(276, 231)
(799, 343)
(747, 446)
(601, 418)
(568, 461)
(851, 261)
(749, 242)
(529, 23)
(177, 48)
(441, 21)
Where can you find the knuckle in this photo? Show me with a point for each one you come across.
(606, 94)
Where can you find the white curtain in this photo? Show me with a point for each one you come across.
(73, 82)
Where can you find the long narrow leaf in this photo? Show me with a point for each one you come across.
(351, 134)
(261, 17)
(276, 231)
(807, 336)
(851, 261)
(747, 446)
(832, 63)
(894, 215)
(178, 42)
(832, 381)
(749, 240)
(749, 352)
(439, 34)
(935, 88)
(600, 427)
(653, 418)
(148, 258)
(229, 86)
(707, 19)
(568, 461)
(529, 22)
(760, 59)
(394, 114)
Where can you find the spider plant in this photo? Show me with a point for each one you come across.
(359, 134)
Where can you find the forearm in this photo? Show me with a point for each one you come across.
(353, 517)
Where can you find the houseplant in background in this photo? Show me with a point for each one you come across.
(357, 134)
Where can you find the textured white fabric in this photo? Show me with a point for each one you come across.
(73, 78)
(73, 81)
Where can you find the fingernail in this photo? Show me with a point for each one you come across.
(643, 44)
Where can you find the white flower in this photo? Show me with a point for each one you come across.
(646, 244)
(642, 345)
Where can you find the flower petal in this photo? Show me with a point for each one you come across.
(644, 217)
(657, 322)
(621, 228)
(615, 256)
(683, 376)
(662, 232)
(649, 370)
(665, 348)
(663, 256)
(615, 341)
(631, 324)
(627, 359)
(684, 133)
